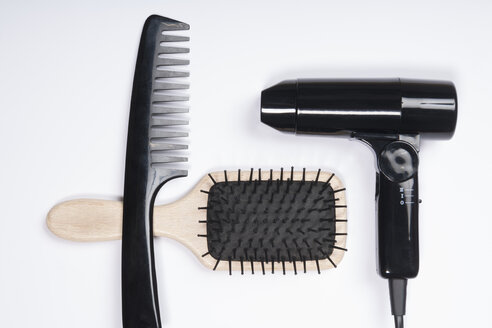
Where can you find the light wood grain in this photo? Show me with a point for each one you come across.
(99, 220)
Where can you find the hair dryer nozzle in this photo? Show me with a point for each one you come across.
(278, 106)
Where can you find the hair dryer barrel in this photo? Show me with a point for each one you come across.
(361, 105)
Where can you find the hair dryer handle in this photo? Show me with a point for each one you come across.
(397, 210)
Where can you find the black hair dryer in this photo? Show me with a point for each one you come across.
(389, 115)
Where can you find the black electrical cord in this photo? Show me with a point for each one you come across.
(398, 321)
(398, 297)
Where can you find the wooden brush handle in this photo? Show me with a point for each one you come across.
(87, 220)
(101, 220)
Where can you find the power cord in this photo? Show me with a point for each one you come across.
(398, 297)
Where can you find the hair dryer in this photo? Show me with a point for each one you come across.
(389, 115)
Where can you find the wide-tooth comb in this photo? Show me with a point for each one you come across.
(152, 159)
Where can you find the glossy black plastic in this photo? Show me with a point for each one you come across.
(139, 283)
(142, 182)
(397, 204)
(363, 105)
(389, 115)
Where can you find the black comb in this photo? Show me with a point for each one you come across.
(152, 122)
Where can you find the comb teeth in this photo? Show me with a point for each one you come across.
(167, 94)
(163, 61)
(158, 159)
(172, 50)
(169, 74)
(157, 134)
(161, 121)
(165, 97)
(162, 85)
(173, 38)
(174, 26)
(160, 109)
(155, 147)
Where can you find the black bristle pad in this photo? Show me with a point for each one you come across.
(270, 220)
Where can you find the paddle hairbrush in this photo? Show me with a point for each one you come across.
(235, 219)
(148, 163)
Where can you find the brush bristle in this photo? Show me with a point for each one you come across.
(271, 220)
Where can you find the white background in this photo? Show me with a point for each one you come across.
(66, 72)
